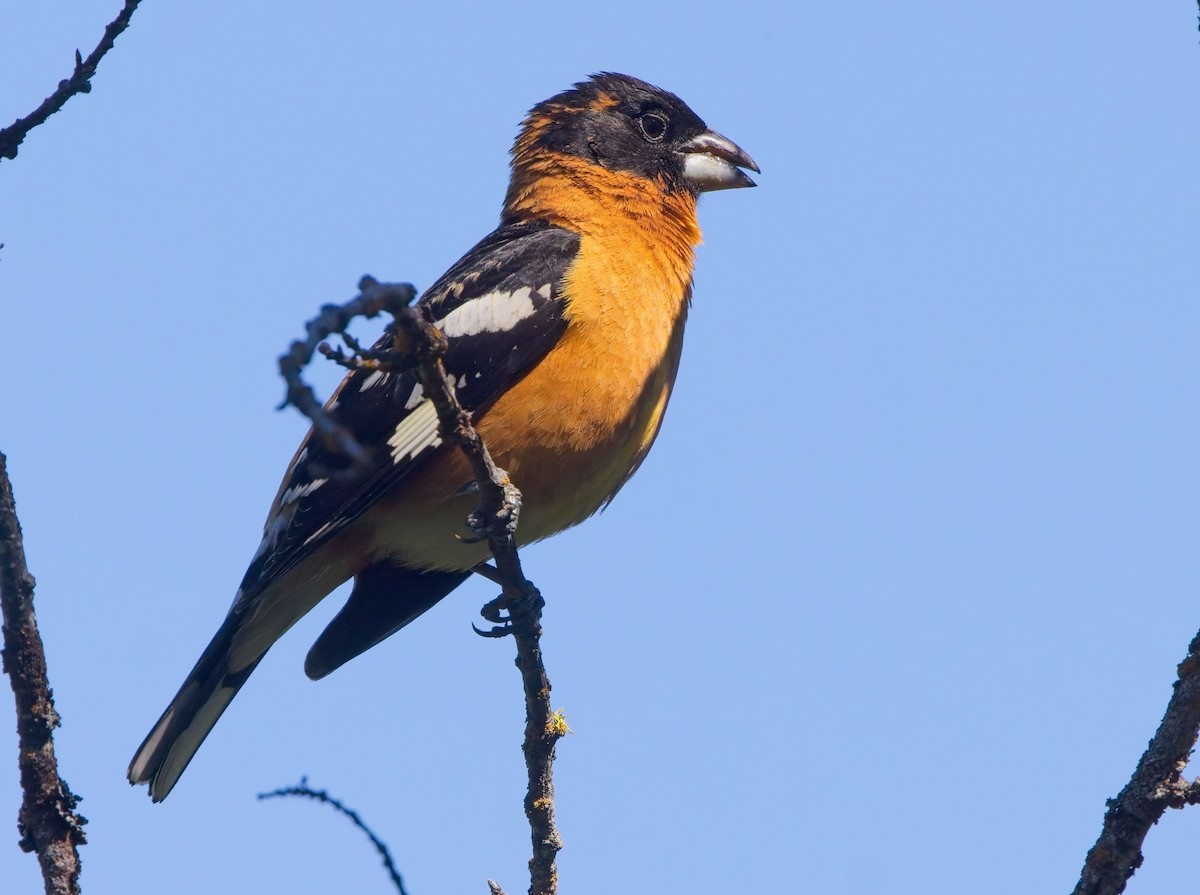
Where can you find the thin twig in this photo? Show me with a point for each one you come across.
(415, 340)
(1155, 786)
(321, 795)
(496, 520)
(47, 820)
(80, 81)
(334, 319)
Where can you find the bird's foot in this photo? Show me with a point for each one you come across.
(486, 524)
(509, 610)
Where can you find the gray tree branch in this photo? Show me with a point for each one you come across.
(47, 820)
(1156, 785)
(80, 81)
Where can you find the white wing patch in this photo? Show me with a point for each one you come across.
(275, 526)
(494, 312)
(416, 432)
(417, 396)
(379, 377)
(294, 493)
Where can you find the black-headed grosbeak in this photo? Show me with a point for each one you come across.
(565, 327)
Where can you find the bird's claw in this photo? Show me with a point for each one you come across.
(496, 631)
(493, 610)
(505, 611)
(502, 523)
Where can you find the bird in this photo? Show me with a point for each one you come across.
(564, 328)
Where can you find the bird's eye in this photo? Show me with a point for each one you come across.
(654, 126)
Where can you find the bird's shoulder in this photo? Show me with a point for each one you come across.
(502, 308)
(513, 256)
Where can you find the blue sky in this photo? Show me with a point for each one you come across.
(892, 607)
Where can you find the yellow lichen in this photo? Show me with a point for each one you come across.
(557, 726)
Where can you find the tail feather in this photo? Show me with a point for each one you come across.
(200, 702)
(385, 598)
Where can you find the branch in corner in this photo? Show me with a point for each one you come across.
(47, 821)
(1156, 785)
(80, 81)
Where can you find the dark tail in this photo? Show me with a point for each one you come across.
(385, 598)
(201, 700)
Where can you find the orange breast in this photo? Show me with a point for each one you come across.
(575, 427)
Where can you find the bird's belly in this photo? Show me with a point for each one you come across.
(573, 429)
(566, 465)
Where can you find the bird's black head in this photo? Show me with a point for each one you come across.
(628, 125)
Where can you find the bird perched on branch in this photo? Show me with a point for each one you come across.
(565, 326)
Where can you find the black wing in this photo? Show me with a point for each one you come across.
(502, 309)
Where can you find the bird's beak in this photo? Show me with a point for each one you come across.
(713, 162)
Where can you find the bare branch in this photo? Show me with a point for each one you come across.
(334, 319)
(80, 81)
(47, 820)
(517, 611)
(496, 521)
(1155, 786)
(321, 795)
